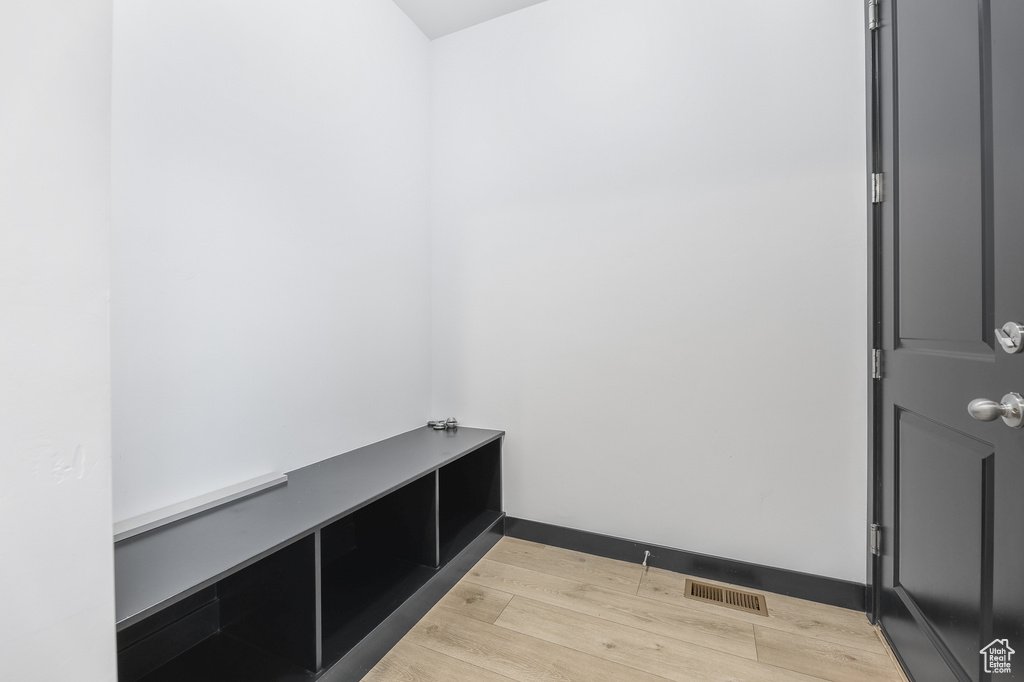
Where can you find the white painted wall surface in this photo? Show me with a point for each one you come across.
(649, 267)
(56, 559)
(270, 276)
(437, 19)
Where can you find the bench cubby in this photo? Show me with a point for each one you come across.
(314, 580)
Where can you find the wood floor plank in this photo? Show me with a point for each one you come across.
(533, 613)
(515, 655)
(797, 616)
(669, 658)
(614, 575)
(828, 660)
(723, 634)
(892, 656)
(408, 662)
(475, 601)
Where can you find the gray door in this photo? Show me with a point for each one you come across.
(949, 249)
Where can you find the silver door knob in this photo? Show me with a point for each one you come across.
(1011, 410)
(1009, 337)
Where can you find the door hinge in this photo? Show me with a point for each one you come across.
(877, 184)
(876, 363)
(873, 14)
(876, 539)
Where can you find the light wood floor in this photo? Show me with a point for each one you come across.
(530, 612)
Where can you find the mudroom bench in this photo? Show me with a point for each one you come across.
(316, 579)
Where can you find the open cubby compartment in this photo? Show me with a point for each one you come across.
(257, 624)
(373, 560)
(470, 498)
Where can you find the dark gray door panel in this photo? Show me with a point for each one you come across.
(949, 489)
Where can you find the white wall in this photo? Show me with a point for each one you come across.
(649, 266)
(56, 570)
(270, 271)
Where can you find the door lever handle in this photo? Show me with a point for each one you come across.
(1009, 337)
(1011, 409)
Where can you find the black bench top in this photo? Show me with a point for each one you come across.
(155, 569)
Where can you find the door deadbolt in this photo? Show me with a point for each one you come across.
(1010, 336)
(1011, 409)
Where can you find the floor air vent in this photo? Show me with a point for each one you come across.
(734, 599)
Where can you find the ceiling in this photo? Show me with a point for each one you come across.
(438, 18)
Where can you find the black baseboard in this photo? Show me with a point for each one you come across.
(842, 593)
